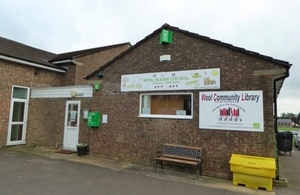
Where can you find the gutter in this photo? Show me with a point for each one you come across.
(31, 64)
(62, 61)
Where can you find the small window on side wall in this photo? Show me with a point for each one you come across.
(166, 105)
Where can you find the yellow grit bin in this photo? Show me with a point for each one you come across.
(253, 171)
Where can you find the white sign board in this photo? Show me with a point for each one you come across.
(104, 118)
(231, 110)
(177, 80)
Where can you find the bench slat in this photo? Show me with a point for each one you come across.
(178, 160)
(181, 157)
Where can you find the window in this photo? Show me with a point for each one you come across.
(18, 115)
(20, 93)
(167, 105)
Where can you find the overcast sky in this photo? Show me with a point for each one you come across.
(270, 27)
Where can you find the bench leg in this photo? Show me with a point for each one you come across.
(199, 170)
(157, 161)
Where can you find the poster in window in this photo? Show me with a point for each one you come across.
(73, 116)
(231, 110)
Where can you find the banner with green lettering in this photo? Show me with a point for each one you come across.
(176, 80)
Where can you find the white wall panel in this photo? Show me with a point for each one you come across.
(62, 92)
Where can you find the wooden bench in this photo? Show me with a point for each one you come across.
(180, 154)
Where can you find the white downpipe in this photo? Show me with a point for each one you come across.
(30, 64)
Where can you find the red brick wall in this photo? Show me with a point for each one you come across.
(16, 74)
(47, 115)
(47, 121)
(130, 138)
(89, 63)
(70, 77)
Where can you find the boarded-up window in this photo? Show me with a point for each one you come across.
(166, 105)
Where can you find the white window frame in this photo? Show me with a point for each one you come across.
(165, 116)
(24, 122)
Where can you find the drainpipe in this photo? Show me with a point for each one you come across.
(286, 75)
(275, 115)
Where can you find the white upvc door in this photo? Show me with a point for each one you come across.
(16, 134)
(71, 127)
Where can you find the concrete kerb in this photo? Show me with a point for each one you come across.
(136, 168)
(281, 183)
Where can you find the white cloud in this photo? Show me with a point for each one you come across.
(269, 27)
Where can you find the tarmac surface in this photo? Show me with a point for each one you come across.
(39, 170)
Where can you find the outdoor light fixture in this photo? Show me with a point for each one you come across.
(74, 93)
(100, 74)
(97, 86)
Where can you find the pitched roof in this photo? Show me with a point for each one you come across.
(80, 53)
(284, 120)
(20, 51)
(287, 65)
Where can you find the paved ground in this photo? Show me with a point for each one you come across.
(29, 170)
(290, 170)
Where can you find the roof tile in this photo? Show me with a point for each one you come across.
(20, 51)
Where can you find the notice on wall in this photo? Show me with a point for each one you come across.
(177, 80)
(104, 118)
(231, 110)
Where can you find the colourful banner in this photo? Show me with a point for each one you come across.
(177, 80)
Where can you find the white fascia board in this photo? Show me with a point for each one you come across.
(31, 64)
(62, 92)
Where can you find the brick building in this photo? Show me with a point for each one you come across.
(285, 122)
(22, 67)
(35, 86)
(173, 86)
(159, 90)
(58, 127)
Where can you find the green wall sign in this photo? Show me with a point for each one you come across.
(166, 37)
